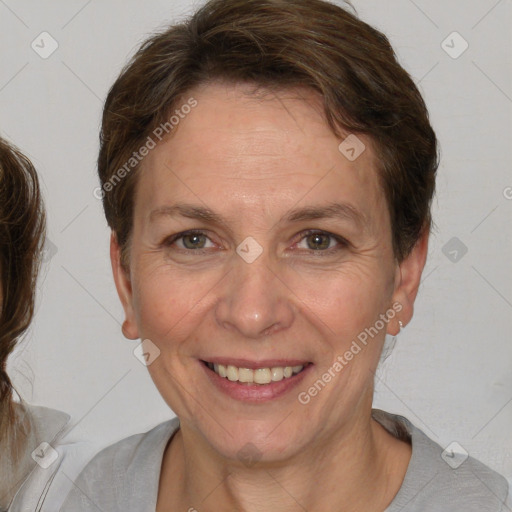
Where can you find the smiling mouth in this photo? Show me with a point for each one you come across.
(260, 376)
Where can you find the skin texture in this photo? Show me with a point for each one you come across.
(252, 159)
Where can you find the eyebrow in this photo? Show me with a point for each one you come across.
(189, 211)
(341, 211)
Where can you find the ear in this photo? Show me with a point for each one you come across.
(124, 289)
(407, 282)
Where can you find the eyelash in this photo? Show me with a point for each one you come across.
(305, 234)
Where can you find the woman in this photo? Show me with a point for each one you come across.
(28, 434)
(267, 169)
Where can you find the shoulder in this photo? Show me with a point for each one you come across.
(126, 470)
(39, 456)
(137, 450)
(443, 478)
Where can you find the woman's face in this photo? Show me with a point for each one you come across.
(290, 261)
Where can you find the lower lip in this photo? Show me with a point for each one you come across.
(255, 393)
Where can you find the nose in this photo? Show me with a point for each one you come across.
(255, 301)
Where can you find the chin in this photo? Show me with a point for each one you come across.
(251, 442)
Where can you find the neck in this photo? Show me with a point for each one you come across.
(360, 468)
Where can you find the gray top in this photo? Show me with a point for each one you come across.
(125, 476)
(26, 475)
(39, 476)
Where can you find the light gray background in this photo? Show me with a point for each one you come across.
(451, 371)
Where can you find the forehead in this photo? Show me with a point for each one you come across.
(266, 152)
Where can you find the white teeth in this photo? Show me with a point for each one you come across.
(262, 376)
(277, 374)
(259, 376)
(245, 375)
(232, 373)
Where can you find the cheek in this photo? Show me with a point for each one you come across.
(168, 304)
(345, 300)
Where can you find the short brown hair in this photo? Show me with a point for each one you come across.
(279, 44)
(22, 229)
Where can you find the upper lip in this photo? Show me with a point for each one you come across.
(252, 365)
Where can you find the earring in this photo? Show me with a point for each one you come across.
(401, 326)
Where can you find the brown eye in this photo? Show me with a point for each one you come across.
(319, 241)
(190, 241)
(194, 241)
